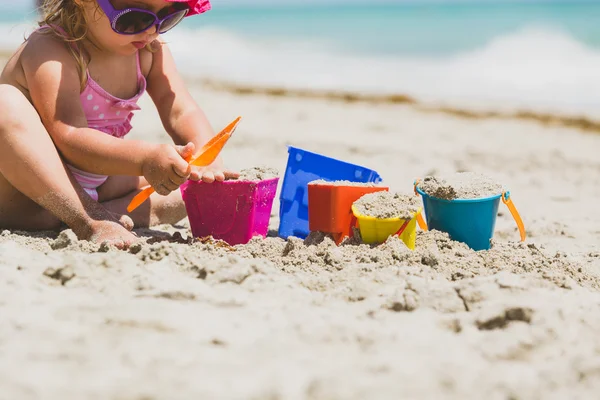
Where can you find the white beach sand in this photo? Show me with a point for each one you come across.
(277, 320)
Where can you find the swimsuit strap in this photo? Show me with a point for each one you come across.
(75, 47)
(60, 30)
(139, 66)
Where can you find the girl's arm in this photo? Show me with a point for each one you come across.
(181, 116)
(54, 87)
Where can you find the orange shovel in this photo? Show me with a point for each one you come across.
(208, 154)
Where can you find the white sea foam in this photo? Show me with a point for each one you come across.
(537, 69)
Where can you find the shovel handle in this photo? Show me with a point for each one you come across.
(140, 198)
(420, 219)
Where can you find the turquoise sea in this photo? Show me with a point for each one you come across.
(531, 55)
(401, 29)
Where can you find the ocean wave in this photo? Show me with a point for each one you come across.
(537, 69)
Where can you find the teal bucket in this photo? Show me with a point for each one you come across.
(471, 221)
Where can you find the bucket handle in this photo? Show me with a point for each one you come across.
(515, 214)
(402, 228)
(420, 219)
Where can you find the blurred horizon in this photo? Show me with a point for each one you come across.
(539, 55)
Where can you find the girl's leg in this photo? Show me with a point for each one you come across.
(36, 190)
(116, 193)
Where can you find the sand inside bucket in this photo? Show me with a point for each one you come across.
(388, 205)
(257, 174)
(343, 183)
(461, 185)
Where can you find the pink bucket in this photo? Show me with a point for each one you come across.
(232, 211)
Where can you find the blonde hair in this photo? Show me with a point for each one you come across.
(68, 15)
(66, 19)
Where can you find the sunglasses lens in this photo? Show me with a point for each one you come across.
(134, 22)
(172, 20)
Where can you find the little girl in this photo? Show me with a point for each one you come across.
(66, 102)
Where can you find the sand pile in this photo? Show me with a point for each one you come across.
(258, 173)
(318, 256)
(388, 205)
(461, 185)
(435, 252)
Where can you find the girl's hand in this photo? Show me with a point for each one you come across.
(165, 168)
(214, 172)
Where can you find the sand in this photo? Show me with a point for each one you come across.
(343, 183)
(388, 205)
(460, 185)
(176, 318)
(259, 173)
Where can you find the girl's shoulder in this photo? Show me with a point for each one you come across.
(43, 45)
(39, 48)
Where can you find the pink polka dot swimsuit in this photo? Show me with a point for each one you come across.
(108, 114)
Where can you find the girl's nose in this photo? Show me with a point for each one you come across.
(153, 30)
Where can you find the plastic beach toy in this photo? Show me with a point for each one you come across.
(330, 208)
(304, 167)
(232, 211)
(377, 230)
(471, 221)
(207, 156)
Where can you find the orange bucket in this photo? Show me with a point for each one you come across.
(330, 208)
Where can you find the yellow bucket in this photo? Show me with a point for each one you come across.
(377, 230)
